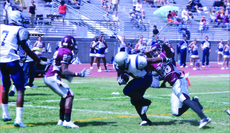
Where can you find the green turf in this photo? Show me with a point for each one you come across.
(96, 110)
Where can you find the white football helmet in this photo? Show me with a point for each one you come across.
(16, 18)
(122, 60)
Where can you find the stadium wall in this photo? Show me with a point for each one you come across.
(84, 44)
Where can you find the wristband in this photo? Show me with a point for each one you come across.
(164, 60)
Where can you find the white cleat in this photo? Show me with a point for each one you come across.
(222, 68)
(69, 124)
(60, 122)
(204, 121)
(19, 124)
(91, 68)
(6, 118)
(194, 68)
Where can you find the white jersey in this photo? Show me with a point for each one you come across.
(132, 68)
(10, 35)
(101, 45)
(122, 44)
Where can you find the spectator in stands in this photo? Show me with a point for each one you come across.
(183, 49)
(140, 46)
(62, 10)
(182, 28)
(132, 12)
(155, 31)
(31, 11)
(140, 9)
(105, 5)
(226, 22)
(156, 41)
(170, 17)
(226, 55)
(192, 6)
(151, 3)
(206, 47)
(220, 47)
(115, 4)
(227, 4)
(141, 24)
(219, 18)
(38, 47)
(185, 15)
(216, 5)
(204, 24)
(115, 20)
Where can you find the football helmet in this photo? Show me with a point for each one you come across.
(16, 18)
(121, 60)
(156, 49)
(68, 42)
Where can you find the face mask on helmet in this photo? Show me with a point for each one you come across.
(68, 42)
(16, 17)
(121, 60)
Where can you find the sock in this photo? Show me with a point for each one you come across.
(195, 107)
(67, 114)
(5, 109)
(62, 114)
(19, 111)
(13, 88)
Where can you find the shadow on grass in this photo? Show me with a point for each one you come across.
(93, 123)
(80, 124)
(35, 94)
(174, 122)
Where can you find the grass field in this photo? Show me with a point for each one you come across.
(96, 110)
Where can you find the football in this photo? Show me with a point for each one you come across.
(125, 77)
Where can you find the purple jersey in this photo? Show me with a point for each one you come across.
(62, 55)
(168, 71)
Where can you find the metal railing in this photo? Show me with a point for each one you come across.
(89, 14)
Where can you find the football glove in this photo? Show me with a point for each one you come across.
(121, 81)
(83, 73)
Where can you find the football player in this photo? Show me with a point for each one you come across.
(61, 60)
(180, 98)
(136, 67)
(13, 36)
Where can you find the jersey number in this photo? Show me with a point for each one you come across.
(4, 35)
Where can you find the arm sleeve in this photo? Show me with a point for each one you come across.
(23, 35)
(168, 51)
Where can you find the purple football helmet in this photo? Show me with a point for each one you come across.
(68, 42)
(157, 49)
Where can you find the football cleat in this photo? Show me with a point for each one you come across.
(60, 122)
(19, 124)
(70, 124)
(227, 111)
(11, 93)
(146, 123)
(204, 121)
(6, 118)
(196, 99)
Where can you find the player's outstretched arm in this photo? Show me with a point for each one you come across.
(67, 72)
(168, 51)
